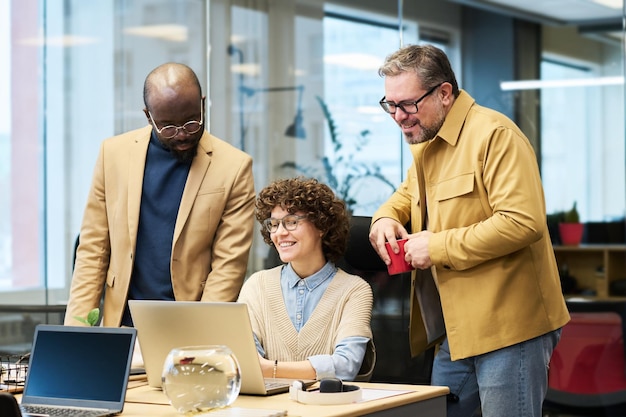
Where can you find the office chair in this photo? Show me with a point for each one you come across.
(76, 243)
(587, 374)
(390, 316)
(8, 405)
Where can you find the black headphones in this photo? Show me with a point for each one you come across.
(335, 385)
(332, 391)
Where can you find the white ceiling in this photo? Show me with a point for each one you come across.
(568, 12)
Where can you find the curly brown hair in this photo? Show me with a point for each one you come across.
(318, 201)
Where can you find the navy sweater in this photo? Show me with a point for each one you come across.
(164, 180)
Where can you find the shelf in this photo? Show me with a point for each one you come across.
(594, 266)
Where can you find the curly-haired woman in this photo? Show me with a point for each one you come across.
(311, 320)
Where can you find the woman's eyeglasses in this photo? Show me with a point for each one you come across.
(289, 222)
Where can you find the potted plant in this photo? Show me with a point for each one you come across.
(570, 228)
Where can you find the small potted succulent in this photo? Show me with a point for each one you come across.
(570, 228)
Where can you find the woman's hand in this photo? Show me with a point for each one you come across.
(267, 367)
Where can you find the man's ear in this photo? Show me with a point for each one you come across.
(446, 93)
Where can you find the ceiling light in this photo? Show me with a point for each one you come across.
(174, 33)
(574, 82)
(354, 61)
(368, 109)
(62, 41)
(613, 4)
(251, 70)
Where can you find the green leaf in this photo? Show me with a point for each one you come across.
(93, 316)
(82, 320)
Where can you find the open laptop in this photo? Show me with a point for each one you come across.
(74, 369)
(164, 325)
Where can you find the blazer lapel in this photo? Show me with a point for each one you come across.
(197, 172)
(136, 166)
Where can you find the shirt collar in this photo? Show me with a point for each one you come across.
(312, 281)
(453, 124)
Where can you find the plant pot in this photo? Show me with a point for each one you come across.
(571, 233)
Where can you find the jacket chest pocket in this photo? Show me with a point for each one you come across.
(455, 187)
(457, 201)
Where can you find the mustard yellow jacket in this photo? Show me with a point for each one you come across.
(212, 235)
(491, 251)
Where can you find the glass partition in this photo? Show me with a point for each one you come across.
(294, 83)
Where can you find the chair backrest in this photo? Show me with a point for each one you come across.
(368, 365)
(614, 305)
(588, 366)
(390, 317)
(360, 254)
(361, 257)
(8, 405)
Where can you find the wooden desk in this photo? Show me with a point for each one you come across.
(423, 400)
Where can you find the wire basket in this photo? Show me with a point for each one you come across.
(13, 369)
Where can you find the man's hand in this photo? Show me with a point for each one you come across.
(416, 250)
(386, 230)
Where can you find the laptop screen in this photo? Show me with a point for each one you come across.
(79, 363)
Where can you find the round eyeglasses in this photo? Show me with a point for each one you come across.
(289, 222)
(409, 107)
(191, 127)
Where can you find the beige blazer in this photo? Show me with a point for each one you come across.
(494, 264)
(212, 235)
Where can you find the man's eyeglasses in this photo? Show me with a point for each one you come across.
(289, 222)
(409, 107)
(190, 127)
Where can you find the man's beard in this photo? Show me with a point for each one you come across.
(185, 156)
(427, 132)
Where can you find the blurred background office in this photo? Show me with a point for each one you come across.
(293, 83)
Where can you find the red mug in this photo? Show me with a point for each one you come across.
(398, 265)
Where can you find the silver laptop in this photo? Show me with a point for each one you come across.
(78, 371)
(164, 325)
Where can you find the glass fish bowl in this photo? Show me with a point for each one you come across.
(197, 379)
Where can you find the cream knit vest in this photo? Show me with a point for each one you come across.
(344, 310)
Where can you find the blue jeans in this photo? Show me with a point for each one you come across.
(509, 382)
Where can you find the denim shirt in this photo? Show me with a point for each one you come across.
(301, 296)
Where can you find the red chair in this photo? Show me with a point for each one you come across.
(587, 373)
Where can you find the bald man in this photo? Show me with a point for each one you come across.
(170, 212)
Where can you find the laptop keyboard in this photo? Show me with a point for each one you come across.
(36, 411)
(273, 384)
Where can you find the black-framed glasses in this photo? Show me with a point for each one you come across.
(409, 107)
(289, 222)
(190, 127)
